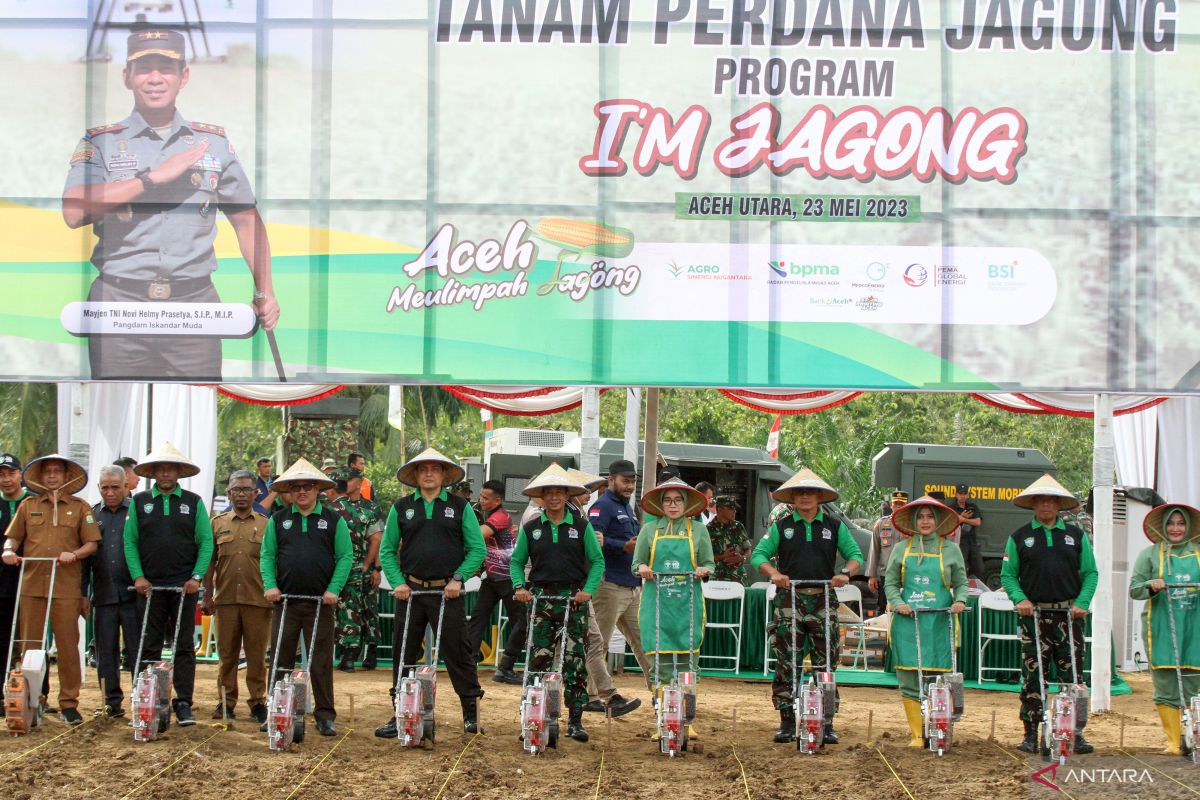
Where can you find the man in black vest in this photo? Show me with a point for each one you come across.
(805, 546)
(306, 550)
(1048, 564)
(169, 542)
(432, 541)
(106, 583)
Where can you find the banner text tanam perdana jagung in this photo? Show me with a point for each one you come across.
(1033, 25)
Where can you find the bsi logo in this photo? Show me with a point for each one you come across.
(1002, 271)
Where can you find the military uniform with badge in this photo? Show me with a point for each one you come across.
(357, 619)
(151, 185)
(730, 542)
(11, 495)
(54, 524)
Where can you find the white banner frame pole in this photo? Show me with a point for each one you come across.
(1103, 468)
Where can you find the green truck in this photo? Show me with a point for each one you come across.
(995, 476)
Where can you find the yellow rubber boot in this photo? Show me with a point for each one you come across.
(912, 711)
(1172, 726)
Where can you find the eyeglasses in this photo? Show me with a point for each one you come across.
(672, 500)
(303, 487)
(242, 490)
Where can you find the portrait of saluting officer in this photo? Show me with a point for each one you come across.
(151, 186)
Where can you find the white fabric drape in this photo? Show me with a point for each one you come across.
(520, 400)
(186, 416)
(1078, 404)
(1178, 458)
(789, 401)
(279, 394)
(1135, 436)
(109, 418)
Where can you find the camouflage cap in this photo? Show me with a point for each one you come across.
(729, 501)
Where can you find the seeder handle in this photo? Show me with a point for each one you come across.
(1183, 585)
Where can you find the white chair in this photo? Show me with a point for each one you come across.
(473, 583)
(993, 601)
(851, 595)
(768, 658)
(726, 592)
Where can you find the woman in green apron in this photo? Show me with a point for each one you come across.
(1173, 558)
(673, 542)
(926, 571)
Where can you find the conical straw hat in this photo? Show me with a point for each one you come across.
(553, 475)
(905, 517)
(693, 501)
(166, 453)
(1046, 486)
(805, 479)
(453, 472)
(303, 471)
(586, 479)
(1155, 523)
(75, 480)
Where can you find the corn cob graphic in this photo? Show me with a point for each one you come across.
(579, 238)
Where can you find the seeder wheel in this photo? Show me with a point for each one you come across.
(552, 735)
(164, 720)
(298, 730)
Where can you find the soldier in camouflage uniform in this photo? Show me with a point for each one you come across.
(565, 559)
(730, 542)
(804, 545)
(357, 621)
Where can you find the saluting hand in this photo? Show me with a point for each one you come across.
(177, 164)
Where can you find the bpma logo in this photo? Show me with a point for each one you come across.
(814, 274)
(915, 275)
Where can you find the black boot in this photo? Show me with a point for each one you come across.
(385, 731)
(830, 735)
(505, 672)
(347, 662)
(787, 726)
(369, 661)
(1030, 744)
(575, 725)
(1082, 745)
(470, 709)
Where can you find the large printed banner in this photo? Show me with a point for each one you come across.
(983, 195)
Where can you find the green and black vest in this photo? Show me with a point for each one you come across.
(431, 549)
(167, 537)
(1049, 574)
(804, 560)
(304, 552)
(557, 557)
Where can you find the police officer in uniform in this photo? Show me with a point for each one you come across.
(432, 541)
(1048, 564)
(151, 186)
(54, 524)
(169, 542)
(11, 495)
(107, 580)
(306, 550)
(883, 539)
(804, 546)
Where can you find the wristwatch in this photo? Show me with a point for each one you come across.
(457, 577)
(144, 176)
(196, 578)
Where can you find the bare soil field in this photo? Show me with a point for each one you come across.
(100, 759)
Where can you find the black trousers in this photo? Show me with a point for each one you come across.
(972, 555)
(159, 626)
(7, 606)
(490, 593)
(300, 617)
(109, 623)
(459, 660)
(154, 357)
